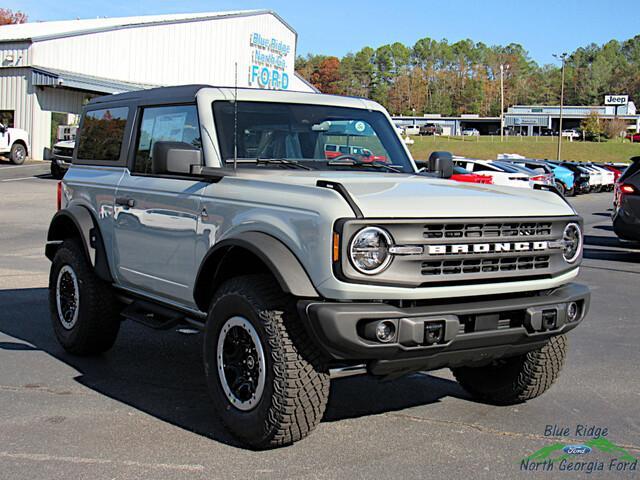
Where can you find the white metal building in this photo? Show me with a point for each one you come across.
(52, 68)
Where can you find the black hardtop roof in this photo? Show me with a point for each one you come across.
(182, 93)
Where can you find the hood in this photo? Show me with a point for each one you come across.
(392, 195)
(66, 144)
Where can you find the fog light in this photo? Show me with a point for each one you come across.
(572, 312)
(385, 331)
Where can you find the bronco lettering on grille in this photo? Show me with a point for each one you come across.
(488, 247)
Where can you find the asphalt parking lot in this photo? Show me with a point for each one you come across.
(142, 411)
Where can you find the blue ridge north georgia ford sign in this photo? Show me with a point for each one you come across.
(269, 58)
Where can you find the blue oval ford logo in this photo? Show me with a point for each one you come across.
(576, 449)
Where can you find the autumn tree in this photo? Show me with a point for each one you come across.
(592, 126)
(9, 17)
(435, 76)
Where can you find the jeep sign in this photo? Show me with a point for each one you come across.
(617, 100)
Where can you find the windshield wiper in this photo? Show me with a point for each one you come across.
(271, 161)
(358, 163)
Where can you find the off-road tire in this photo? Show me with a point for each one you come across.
(518, 379)
(18, 154)
(297, 382)
(98, 321)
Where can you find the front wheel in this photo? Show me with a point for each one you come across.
(266, 377)
(517, 379)
(561, 188)
(18, 154)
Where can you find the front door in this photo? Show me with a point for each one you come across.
(156, 216)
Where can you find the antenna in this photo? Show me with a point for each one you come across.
(235, 120)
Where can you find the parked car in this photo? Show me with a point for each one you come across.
(563, 177)
(581, 182)
(535, 178)
(333, 151)
(596, 180)
(634, 137)
(572, 133)
(617, 171)
(608, 177)
(62, 154)
(14, 144)
(470, 132)
(430, 129)
(411, 129)
(299, 270)
(499, 174)
(462, 175)
(626, 203)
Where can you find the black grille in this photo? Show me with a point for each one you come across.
(63, 152)
(487, 230)
(485, 265)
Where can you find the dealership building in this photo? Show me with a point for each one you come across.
(49, 70)
(527, 119)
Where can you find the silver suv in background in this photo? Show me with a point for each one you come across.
(222, 210)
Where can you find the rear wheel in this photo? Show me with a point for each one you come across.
(265, 375)
(18, 154)
(517, 379)
(84, 311)
(561, 188)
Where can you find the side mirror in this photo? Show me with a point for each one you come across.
(174, 157)
(441, 164)
(3, 129)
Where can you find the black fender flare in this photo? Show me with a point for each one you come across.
(275, 255)
(78, 221)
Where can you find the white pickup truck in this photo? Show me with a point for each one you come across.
(14, 144)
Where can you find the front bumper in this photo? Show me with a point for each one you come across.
(474, 331)
(62, 162)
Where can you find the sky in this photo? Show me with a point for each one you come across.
(334, 27)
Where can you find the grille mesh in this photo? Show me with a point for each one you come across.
(485, 265)
(486, 230)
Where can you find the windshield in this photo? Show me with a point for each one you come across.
(319, 137)
(509, 168)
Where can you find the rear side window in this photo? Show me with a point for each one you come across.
(102, 133)
(630, 170)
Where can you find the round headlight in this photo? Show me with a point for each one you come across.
(369, 250)
(572, 237)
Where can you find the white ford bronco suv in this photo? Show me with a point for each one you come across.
(220, 209)
(14, 144)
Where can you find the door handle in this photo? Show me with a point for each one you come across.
(125, 202)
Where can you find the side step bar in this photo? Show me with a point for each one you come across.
(152, 315)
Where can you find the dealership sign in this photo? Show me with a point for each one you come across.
(269, 57)
(617, 100)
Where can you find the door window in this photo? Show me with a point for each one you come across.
(176, 123)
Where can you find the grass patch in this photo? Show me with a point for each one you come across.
(532, 147)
